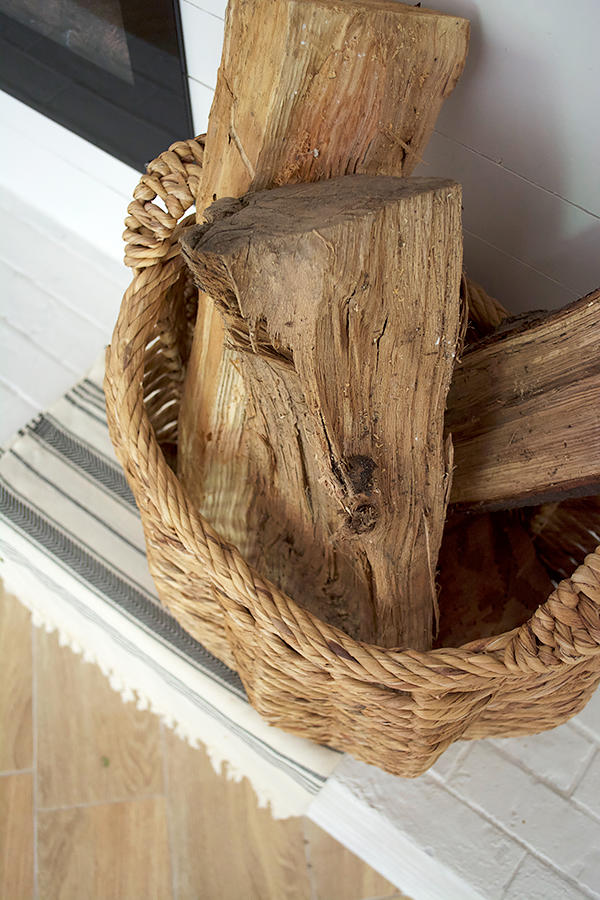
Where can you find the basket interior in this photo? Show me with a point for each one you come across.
(494, 569)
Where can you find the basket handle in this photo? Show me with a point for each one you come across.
(174, 178)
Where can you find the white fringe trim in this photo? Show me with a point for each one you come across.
(229, 755)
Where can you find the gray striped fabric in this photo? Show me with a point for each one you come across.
(63, 492)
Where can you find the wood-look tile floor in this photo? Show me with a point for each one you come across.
(98, 801)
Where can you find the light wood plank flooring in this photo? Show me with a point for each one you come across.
(99, 801)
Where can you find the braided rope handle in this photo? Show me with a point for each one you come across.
(566, 629)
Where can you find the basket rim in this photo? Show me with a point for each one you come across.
(558, 633)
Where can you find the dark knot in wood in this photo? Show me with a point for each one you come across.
(363, 519)
(360, 471)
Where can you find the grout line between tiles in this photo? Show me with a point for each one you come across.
(584, 770)
(58, 298)
(34, 731)
(520, 764)
(514, 874)
(138, 798)
(584, 809)
(14, 389)
(167, 792)
(98, 177)
(309, 867)
(203, 83)
(196, 3)
(10, 772)
(39, 345)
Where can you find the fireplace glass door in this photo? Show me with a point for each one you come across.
(112, 71)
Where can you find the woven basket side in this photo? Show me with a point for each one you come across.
(395, 709)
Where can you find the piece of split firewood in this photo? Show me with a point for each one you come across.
(307, 90)
(341, 302)
(524, 411)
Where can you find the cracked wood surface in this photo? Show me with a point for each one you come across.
(524, 411)
(307, 90)
(342, 302)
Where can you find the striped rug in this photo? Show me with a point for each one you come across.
(72, 550)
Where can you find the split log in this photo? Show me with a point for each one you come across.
(524, 411)
(342, 300)
(307, 90)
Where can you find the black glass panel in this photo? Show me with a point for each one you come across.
(112, 71)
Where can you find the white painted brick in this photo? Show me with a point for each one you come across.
(13, 207)
(59, 272)
(203, 40)
(201, 98)
(450, 758)
(525, 221)
(530, 80)
(516, 285)
(49, 140)
(35, 375)
(558, 756)
(76, 199)
(442, 825)
(589, 718)
(62, 333)
(533, 813)
(16, 413)
(537, 881)
(588, 790)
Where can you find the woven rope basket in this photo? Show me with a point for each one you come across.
(396, 710)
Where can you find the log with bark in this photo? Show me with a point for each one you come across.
(524, 411)
(307, 90)
(341, 300)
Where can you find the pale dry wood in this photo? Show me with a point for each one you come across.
(340, 875)
(360, 83)
(343, 300)
(223, 844)
(523, 411)
(91, 746)
(115, 850)
(16, 741)
(307, 90)
(16, 836)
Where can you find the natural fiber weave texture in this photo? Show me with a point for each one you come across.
(398, 710)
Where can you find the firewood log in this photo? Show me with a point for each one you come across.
(524, 411)
(341, 300)
(307, 90)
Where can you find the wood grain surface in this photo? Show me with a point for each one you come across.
(200, 835)
(116, 850)
(238, 844)
(113, 749)
(16, 836)
(342, 300)
(16, 739)
(342, 882)
(307, 90)
(523, 411)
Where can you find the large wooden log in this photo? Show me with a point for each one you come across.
(524, 411)
(342, 300)
(307, 90)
